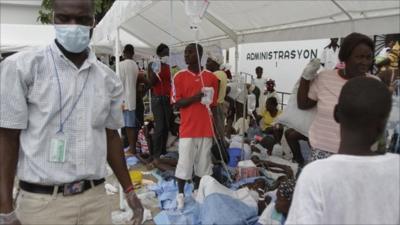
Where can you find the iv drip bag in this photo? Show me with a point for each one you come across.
(196, 9)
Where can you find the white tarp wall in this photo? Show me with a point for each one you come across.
(20, 37)
(19, 11)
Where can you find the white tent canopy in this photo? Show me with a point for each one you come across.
(228, 23)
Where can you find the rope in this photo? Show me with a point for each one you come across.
(210, 115)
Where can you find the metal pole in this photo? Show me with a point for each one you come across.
(236, 58)
(117, 53)
(244, 113)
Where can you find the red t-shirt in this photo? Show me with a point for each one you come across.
(163, 85)
(195, 120)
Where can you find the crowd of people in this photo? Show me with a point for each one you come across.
(61, 109)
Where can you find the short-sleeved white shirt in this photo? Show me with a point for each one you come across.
(30, 101)
(346, 189)
(128, 73)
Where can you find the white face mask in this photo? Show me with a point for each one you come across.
(74, 38)
(164, 59)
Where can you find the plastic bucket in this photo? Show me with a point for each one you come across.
(136, 177)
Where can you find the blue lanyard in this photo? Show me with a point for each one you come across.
(59, 92)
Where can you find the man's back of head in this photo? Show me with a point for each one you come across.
(363, 108)
(162, 50)
(129, 51)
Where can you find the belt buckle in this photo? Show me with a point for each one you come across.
(74, 188)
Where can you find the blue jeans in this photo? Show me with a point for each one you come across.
(129, 118)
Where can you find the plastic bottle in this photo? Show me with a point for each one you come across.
(208, 95)
(251, 102)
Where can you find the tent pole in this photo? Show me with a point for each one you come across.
(117, 53)
(244, 95)
(244, 117)
(236, 58)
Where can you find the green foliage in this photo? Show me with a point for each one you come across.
(46, 11)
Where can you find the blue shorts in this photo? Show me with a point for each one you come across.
(130, 118)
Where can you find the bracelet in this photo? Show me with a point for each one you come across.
(7, 214)
(129, 189)
(6, 218)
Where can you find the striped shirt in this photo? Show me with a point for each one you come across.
(324, 132)
(30, 101)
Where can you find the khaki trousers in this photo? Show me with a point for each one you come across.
(90, 207)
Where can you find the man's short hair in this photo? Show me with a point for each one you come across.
(259, 68)
(272, 100)
(161, 48)
(129, 49)
(350, 42)
(363, 101)
(92, 3)
(199, 47)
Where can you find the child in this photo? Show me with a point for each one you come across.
(277, 211)
(254, 129)
(357, 185)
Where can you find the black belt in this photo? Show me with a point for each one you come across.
(160, 96)
(68, 189)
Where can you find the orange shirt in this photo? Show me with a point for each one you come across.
(195, 120)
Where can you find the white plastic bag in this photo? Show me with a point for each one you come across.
(295, 118)
(208, 95)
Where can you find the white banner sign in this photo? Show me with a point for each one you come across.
(281, 61)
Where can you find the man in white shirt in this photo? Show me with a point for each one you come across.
(128, 73)
(329, 57)
(60, 110)
(357, 185)
(260, 82)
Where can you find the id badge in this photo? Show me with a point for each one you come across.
(58, 148)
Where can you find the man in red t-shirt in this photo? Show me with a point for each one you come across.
(160, 101)
(195, 132)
